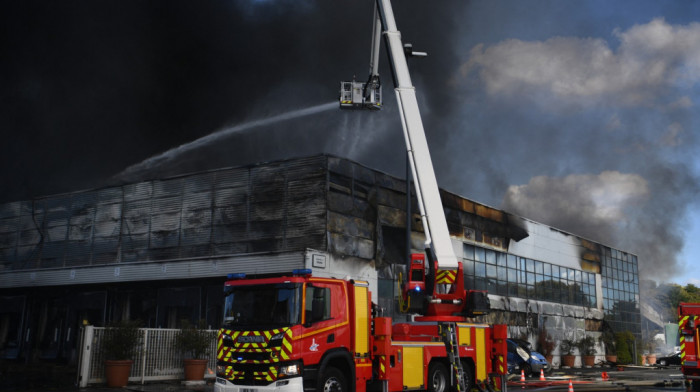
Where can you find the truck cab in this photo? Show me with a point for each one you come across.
(290, 332)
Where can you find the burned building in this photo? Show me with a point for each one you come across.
(160, 250)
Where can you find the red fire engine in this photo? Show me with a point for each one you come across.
(308, 333)
(688, 326)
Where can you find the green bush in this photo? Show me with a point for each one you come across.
(622, 344)
(194, 341)
(567, 347)
(586, 345)
(121, 340)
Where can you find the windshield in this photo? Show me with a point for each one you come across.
(272, 305)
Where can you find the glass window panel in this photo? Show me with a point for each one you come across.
(502, 274)
(513, 289)
(512, 261)
(492, 286)
(530, 278)
(468, 267)
(523, 264)
(591, 278)
(547, 269)
(490, 256)
(491, 271)
(555, 271)
(480, 284)
(564, 272)
(577, 275)
(480, 269)
(502, 288)
(522, 290)
(572, 274)
(468, 281)
(468, 251)
(530, 265)
(539, 267)
(539, 278)
(479, 254)
(512, 275)
(501, 259)
(522, 276)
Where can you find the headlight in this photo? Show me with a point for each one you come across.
(290, 370)
(522, 353)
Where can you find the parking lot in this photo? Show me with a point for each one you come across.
(629, 378)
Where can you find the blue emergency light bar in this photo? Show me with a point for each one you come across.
(301, 271)
(240, 275)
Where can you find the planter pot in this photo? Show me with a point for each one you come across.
(568, 360)
(589, 360)
(651, 359)
(117, 373)
(611, 358)
(549, 358)
(195, 368)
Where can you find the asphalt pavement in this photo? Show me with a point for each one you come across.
(631, 378)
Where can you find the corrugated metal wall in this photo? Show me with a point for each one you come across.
(275, 207)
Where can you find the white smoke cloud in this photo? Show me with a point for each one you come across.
(650, 58)
(614, 208)
(602, 200)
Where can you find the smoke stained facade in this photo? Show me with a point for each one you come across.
(159, 251)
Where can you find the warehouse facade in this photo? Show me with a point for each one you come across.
(159, 251)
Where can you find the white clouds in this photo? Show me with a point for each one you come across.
(650, 58)
(587, 199)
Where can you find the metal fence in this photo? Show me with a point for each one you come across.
(158, 358)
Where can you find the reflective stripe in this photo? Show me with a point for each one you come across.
(446, 277)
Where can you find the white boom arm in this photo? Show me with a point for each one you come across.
(430, 205)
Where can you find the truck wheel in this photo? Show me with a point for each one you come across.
(662, 362)
(467, 376)
(332, 380)
(438, 378)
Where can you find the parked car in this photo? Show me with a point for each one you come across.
(521, 357)
(670, 359)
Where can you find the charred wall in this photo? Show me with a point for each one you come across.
(274, 207)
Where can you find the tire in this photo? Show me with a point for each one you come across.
(467, 376)
(332, 380)
(662, 362)
(696, 385)
(438, 378)
(527, 369)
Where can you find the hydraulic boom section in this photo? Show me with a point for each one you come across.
(435, 286)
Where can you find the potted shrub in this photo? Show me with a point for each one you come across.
(119, 346)
(194, 342)
(545, 345)
(586, 346)
(566, 349)
(622, 347)
(607, 338)
(650, 346)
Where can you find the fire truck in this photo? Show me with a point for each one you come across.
(688, 327)
(304, 332)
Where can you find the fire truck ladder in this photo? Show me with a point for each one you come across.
(448, 332)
